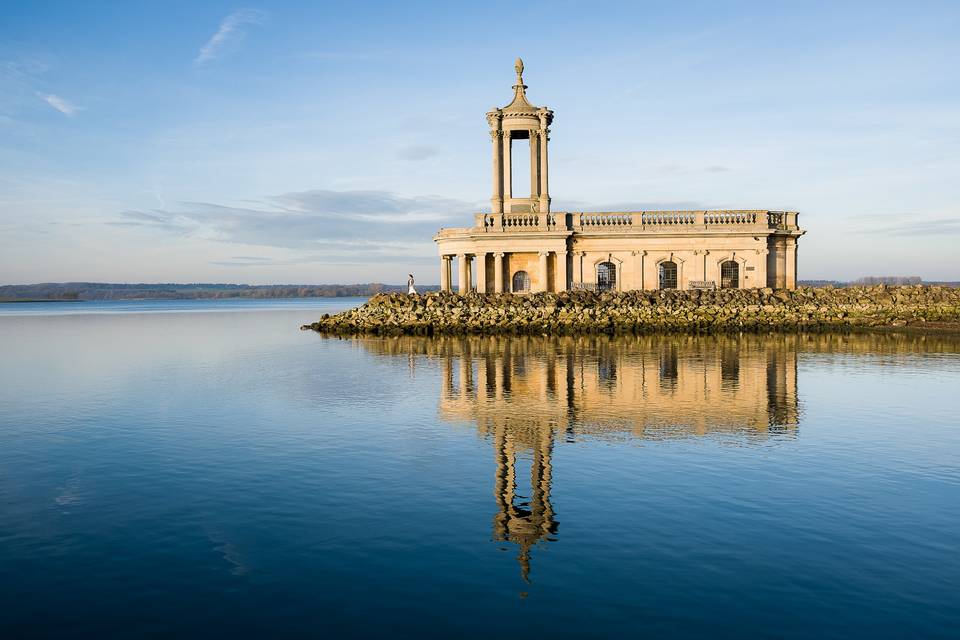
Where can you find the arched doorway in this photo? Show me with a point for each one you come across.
(521, 282)
(668, 275)
(606, 276)
(730, 275)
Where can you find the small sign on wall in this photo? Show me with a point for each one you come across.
(703, 284)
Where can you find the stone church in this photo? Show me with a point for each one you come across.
(522, 246)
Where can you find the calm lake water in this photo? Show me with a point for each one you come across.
(200, 468)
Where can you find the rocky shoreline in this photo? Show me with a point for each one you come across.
(582, 312)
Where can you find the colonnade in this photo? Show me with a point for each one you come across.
(502, 274)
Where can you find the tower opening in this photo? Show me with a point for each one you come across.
(520, 166)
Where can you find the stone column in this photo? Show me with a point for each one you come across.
(543, 271)
(578, 267)
(469, 258)
(498, 273)
(560, 271)
(791, 263)
(507, 154)
(481, 272)
(496, 201)
(444, 273)
(544, 186)
(463, 283)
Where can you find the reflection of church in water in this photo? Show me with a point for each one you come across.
(526, 393)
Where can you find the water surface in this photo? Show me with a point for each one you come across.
(176, 469)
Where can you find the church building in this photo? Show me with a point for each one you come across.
(523, 246)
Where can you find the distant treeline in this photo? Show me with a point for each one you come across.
(869, 281)
(171, 291)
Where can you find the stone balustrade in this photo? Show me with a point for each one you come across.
(599, 221)
(729, 217)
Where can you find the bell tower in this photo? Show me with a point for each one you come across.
(517, 122)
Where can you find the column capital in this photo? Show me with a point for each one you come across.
(499, 254)
(543, 253)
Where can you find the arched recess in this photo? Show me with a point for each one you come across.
(617, 263)
(740, 271)
(670, 259)
(606, 276)
(520, 283)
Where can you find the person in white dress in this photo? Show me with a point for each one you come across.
(410, 289)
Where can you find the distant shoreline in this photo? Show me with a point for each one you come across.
(18, 300)
(203, 299)
(94, 291)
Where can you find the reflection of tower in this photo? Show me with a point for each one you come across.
(521, 392)
(525, 523)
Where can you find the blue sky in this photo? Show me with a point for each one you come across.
(325, 142)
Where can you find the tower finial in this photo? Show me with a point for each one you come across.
(518, 67)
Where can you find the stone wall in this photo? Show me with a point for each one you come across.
(647, 311)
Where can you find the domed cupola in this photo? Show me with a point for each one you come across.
(520, 120)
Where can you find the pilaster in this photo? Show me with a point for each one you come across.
(560, 271)
(498, 273)
(543, 285)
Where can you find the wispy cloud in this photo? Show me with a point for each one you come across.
(332, 225)
(59, 104)
(231, 32)
(939, 227)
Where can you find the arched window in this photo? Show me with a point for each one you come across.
(606, 276)
(521, 282)
(668, 275)
(729, 275)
